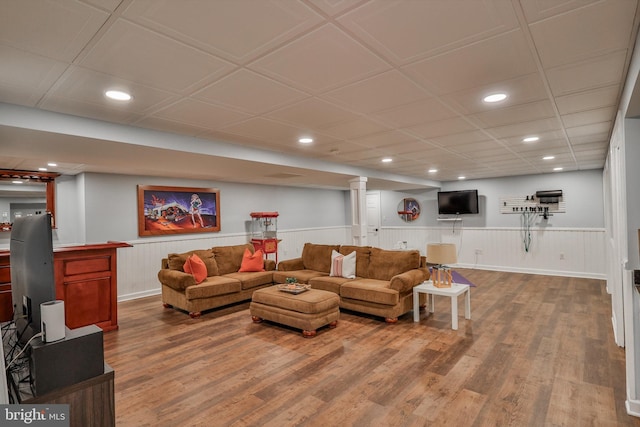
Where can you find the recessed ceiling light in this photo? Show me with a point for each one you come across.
(462, 177)
(42, 169)
(305, 140)
(17, 182)
(557, 169)
(548, 157)
(387, 160)
(433, 170)
(531, 139)
(495, 97)
(118, 95)
(53, 165)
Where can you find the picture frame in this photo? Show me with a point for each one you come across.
(176, 210)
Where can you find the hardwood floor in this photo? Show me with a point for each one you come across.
(538, 351)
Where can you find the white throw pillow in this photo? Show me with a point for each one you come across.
(343, 265)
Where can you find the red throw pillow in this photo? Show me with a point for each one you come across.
(195, 266)
(252, 262)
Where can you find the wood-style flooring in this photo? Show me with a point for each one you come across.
(538, 351)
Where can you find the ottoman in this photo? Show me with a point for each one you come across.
(308, 310)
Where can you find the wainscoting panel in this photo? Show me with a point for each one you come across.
(560, 251)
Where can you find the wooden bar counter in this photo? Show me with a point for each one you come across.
(86, 278)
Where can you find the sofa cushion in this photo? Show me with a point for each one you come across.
(363, 253)
(371, 290)
(343, 265)
(253, 279)
(318, 257)
(213, 286)
(302, 276)
(229, 258)
(176, 261)
(385, 264)
(252, 261)
(195, 266)
(328, 283)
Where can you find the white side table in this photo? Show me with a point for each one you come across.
(454, 292)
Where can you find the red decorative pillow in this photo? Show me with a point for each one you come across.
(252, 262)
(195, 266)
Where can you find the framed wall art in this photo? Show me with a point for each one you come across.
(176, 210)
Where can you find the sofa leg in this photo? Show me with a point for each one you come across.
(165, 305)
(195, 314)
(308, 334)
(333, 324)
(391, 320)
(256, 319)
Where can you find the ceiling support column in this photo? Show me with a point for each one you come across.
(358, 188)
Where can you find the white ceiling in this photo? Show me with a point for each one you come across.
(232, 84)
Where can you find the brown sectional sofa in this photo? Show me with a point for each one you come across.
(384, 280)
(224, 283)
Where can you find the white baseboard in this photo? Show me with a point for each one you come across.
(633, 407)
(137, 295)
(582, 275)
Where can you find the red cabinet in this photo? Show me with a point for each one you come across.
(86, 280)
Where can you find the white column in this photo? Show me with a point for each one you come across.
(358, 188)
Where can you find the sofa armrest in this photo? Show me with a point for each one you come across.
(291, 264)
(269, 265)
(175, 279)
(404, 282)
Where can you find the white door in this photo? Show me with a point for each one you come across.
(373, 218)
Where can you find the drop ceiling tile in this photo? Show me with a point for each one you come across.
(234, 30)
(411, 30)
(267, 130)
(424, 111)
(460, 138)
(590, 129)
(596, 29)
(26, 77)
(599, 72)
(197, 113)
(539, 10)
(249, 92)
(515, 114)
(588, 100)
(587, 117)
(320, 61)
(383, 139)
(504, 57)
(313, 113)
(334, 7)
(74, 84)
(356, 128)
(526, 128)
(588, 137)
(35, 27)
(521, 90)
(417, 149)
(381, 92)
(442, 127)
(140, 55)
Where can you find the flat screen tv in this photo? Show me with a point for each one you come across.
(458, 202)
(31, 261)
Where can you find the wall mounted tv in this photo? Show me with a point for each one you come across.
(458, 202)
(31, 261)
